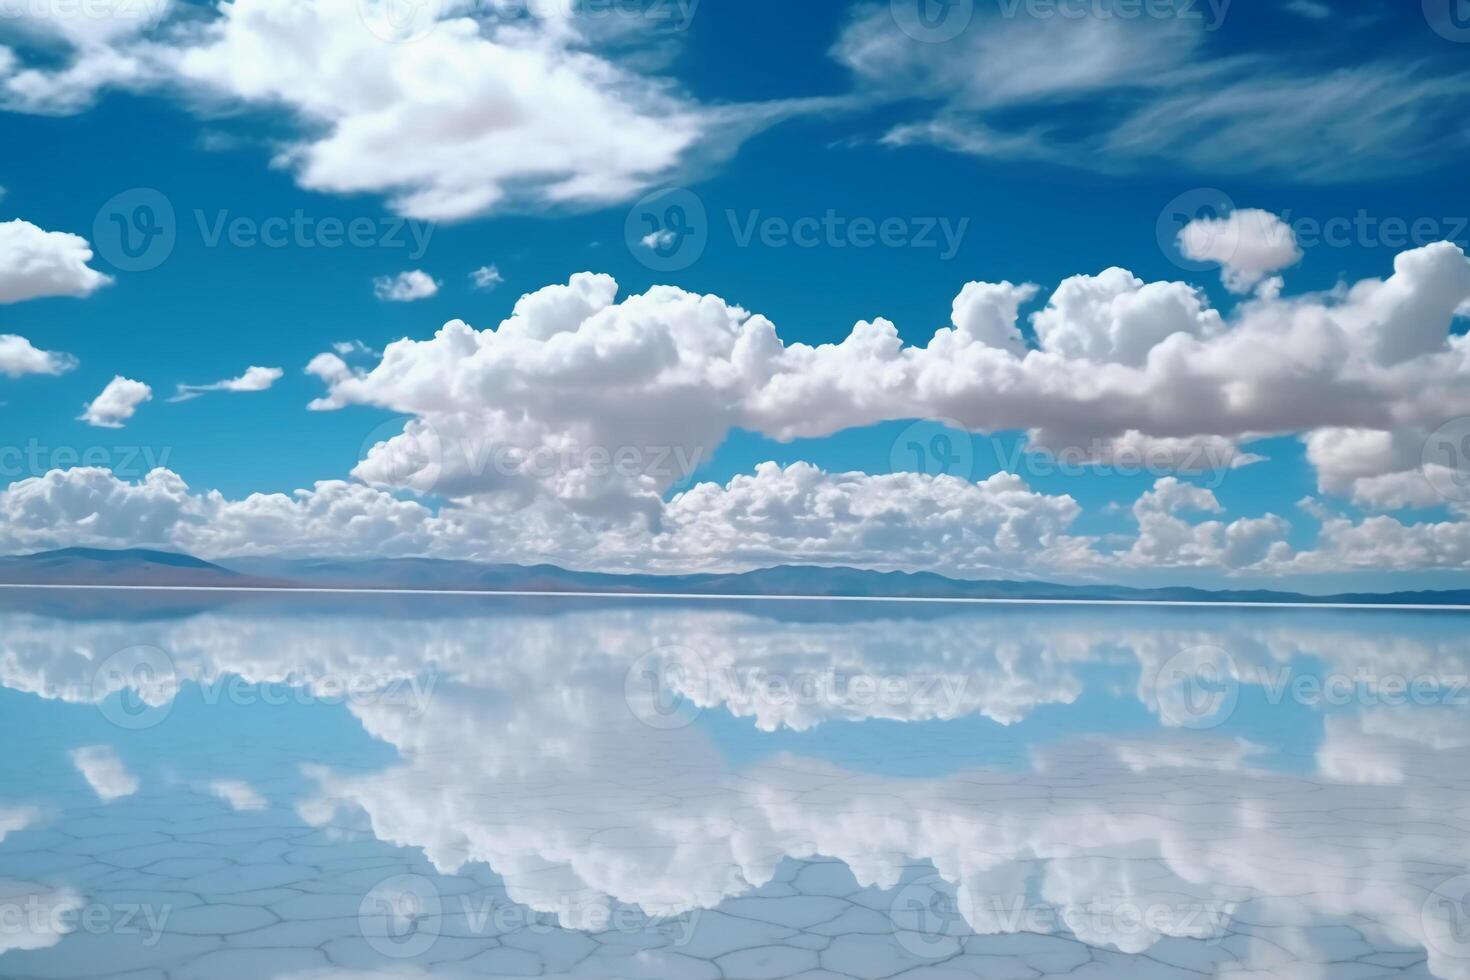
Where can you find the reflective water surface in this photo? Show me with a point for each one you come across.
(481, 787)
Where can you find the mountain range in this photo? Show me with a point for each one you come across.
(140, 567)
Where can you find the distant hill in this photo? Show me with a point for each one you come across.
(132, 566)
(781, 580)
(90, 566)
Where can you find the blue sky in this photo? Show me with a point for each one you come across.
(1032, 146)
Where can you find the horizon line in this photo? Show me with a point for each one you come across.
(949, 600)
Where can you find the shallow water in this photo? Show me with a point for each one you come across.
(484, 787)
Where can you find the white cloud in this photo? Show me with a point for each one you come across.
(489, 108)
(1122, 366)
(18, 357)
(801, 515)
(486, 277)
(405, 287)
(792, 514)
(1248, 245)
(36, 263)
(88, 506)
(1381, 542)
(1115, 317)
(238, 794)
(91, 46)
(117, 403)
(987, 312)
(254, 379)
(1166, 540)
(656, 239)
(104, 772)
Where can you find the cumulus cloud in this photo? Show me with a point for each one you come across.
(18, 357)
(90, 506)
(35, 263)
(799, 514)
(405, 287)
(1118, 366)
(987, 314)
(776, 515)
(1247, 244)
(1383, 542)
(792, 514)
(117, 403)
(254, 379)
(1115, 317)
(1165, 539)
(487, 107)
(104, 772)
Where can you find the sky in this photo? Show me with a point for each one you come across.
(1145, 291)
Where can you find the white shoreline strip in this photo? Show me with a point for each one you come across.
(950, 600)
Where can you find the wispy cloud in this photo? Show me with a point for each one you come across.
(254, 379)
(1131, 94)
(486, 277)
(1310, 9)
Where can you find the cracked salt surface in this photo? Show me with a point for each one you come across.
(343, 789)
